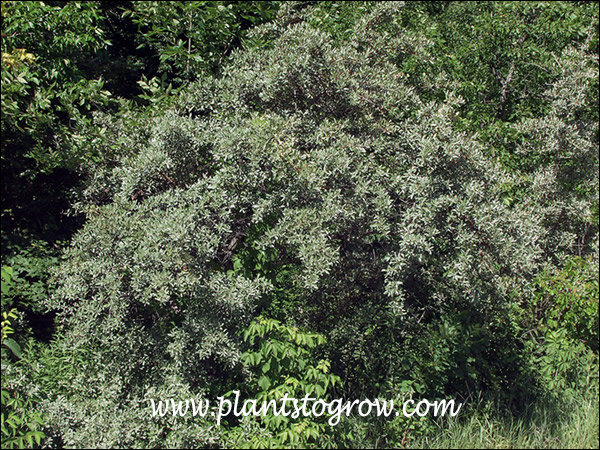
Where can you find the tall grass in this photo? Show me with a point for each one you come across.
(571, 424)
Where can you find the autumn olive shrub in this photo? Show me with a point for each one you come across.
(310, 184)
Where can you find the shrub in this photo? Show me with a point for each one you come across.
(282, 364)
(20, 421)
(568, 299)
(311, 181)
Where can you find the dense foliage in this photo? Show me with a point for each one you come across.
(366, 199)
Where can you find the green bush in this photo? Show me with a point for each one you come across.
(336, 184)
(195, 37)
(567, 299)
(281, 361)
(21, 423)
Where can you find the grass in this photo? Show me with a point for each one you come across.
(572, 424)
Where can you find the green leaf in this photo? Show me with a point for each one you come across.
(13, 346)
(266, 366)
(264, 382)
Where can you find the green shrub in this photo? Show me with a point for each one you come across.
(560, 328)
(21, 423)
(30, 271)
(567, 299)
(281, 362)
(313, 181)
(194, 37)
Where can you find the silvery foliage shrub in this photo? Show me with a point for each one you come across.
(565, 141)
(388, 214)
